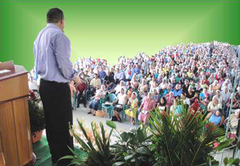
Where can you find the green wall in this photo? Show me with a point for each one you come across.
(109, 29)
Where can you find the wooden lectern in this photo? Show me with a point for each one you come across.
(15, 133)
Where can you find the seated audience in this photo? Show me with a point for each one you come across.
(215, 117)
(119, 103)
(182, 74)
(81, 89)
(214, 105)
(146, 107)
(133, 107)
(162, 105)
(100, 94)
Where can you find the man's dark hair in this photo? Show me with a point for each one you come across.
(54, 15)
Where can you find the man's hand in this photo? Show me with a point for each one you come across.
(76, 79)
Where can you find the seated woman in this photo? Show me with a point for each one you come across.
(232, 123)
(170, 99)
(147, 105)
(119, 103)
(214, 104)
(163, 84)
(215, 87)
(176, 108)
(140, 75)
(162, 105)
(204, 99)
(191, 95)
(143, 87)
(215, 117)
(155, 95)
(133, 103)
(134, 82)
(236, 100)
(185, 100)
(129, 92)
(93, 107)
(194, 107)
(204, 94)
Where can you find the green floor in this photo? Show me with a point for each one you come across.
(43, 155)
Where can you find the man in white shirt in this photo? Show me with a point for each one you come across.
(32, 84)
(225, 94)
(120, 102)
(118, 76)
(119, 87)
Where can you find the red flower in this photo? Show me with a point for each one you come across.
(32, 95)
(216, 144)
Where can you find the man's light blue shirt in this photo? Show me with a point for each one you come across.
(52, 51)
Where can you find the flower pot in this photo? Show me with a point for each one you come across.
(37, 136)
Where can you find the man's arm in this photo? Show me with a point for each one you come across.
(115, 76)
(121, 76)
(62, 50)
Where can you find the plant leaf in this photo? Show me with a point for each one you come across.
(118, 163)
(111, 124)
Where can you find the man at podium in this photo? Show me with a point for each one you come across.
(52, 52)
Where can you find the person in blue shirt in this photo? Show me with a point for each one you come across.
(177, 91)
(136, 69)
(167, 90)
(101, 74)
(118, 76)
(173, 82)
(52, 51)
(216, 117)
(140, 75)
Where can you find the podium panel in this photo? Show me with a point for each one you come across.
(14, 87)
(15, 133)
(21, 119)
(8, 138)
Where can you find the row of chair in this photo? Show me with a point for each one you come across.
(106, 107)
(110, 108)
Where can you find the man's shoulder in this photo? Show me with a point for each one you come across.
(52, 32)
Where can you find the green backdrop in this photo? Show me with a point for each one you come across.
(109, 29)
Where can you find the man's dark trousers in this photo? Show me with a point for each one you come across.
(56, 99)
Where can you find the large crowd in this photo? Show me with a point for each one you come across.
(204, 77)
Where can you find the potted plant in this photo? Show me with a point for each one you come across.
(37, 119)
(95, 142)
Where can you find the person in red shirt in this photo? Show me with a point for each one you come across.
(205, 80)
(81, 88)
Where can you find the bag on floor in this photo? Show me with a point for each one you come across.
(100, 113)
(114, 118)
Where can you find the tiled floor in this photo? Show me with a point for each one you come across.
(88, 118)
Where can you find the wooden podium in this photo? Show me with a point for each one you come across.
(15, 133)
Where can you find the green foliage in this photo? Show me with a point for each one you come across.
(184, 139)
(232, 161)
(111, 124)
(36, 114)
(98, 147)
(133, 148)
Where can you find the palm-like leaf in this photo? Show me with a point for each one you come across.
(183, 139)
(98, 150)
